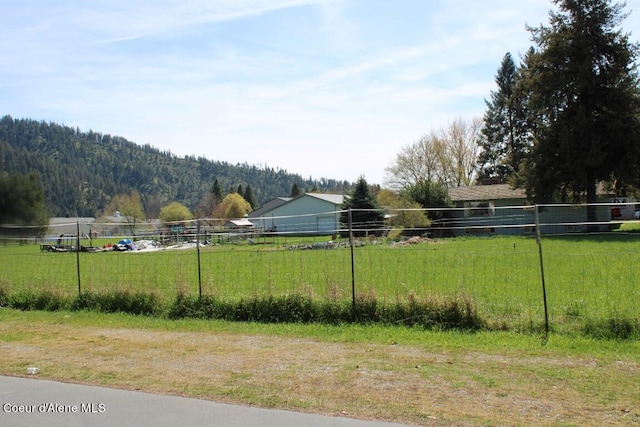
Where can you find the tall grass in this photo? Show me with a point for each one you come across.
(589, 279)
(441, 314)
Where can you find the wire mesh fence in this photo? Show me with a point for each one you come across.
(585, 258)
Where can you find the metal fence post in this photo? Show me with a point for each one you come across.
(198, 252)
(353, 273)
(544, 288)
(78, 255)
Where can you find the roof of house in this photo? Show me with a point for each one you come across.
(336, 199)
(485, 192)
(113, 219)
(72, 220)
(239, 223)
(271, 204)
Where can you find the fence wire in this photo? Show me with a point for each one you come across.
(489, 253)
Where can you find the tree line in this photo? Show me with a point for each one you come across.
(81, 173)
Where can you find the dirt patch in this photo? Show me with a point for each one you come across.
(387, 382)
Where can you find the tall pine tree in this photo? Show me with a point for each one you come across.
(250, 197)
(504, 139)
(295, 191)
(583, 102)
(216, 191)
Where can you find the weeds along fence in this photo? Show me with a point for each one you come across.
(521, 265)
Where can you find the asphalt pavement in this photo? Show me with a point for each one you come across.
(33, 402)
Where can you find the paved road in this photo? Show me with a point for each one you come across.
(53, 404)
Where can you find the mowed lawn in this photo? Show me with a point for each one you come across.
(586, 277)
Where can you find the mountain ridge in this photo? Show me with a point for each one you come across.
(81, 171)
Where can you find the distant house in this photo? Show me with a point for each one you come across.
(308, 214)
(482, 209)
(501, 209)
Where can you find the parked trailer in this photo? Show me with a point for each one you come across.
(67, 243)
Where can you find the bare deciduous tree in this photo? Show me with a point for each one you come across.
(463, 150)
(448, 156)
(414, 162)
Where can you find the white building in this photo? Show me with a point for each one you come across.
(309, 214)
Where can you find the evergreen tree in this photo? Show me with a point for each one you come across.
(504, 140)
(429, 194)
(250, 197)
(583, 102)
(216, 190)
(366, 215)
(22, 203)
(295, 191)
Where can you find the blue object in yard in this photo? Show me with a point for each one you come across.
(125, 244)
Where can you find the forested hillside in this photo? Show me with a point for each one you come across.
(81, 171)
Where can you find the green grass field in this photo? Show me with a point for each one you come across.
(587, 277)
(392, 373)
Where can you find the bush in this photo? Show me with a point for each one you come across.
(42, 300)
(205, 307)
(283, 309)
(139, 303)
(365, 310)
(613, 328)
(4, 296)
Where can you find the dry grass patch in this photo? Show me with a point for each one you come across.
(403, 383)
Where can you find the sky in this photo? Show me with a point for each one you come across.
(321, 88)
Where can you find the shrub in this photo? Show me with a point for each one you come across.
(458, 312)
(4, 296)
(139, 303)
(294, 308)
(301, 309)
(42, 300)
(613, 328)
(205, 307)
